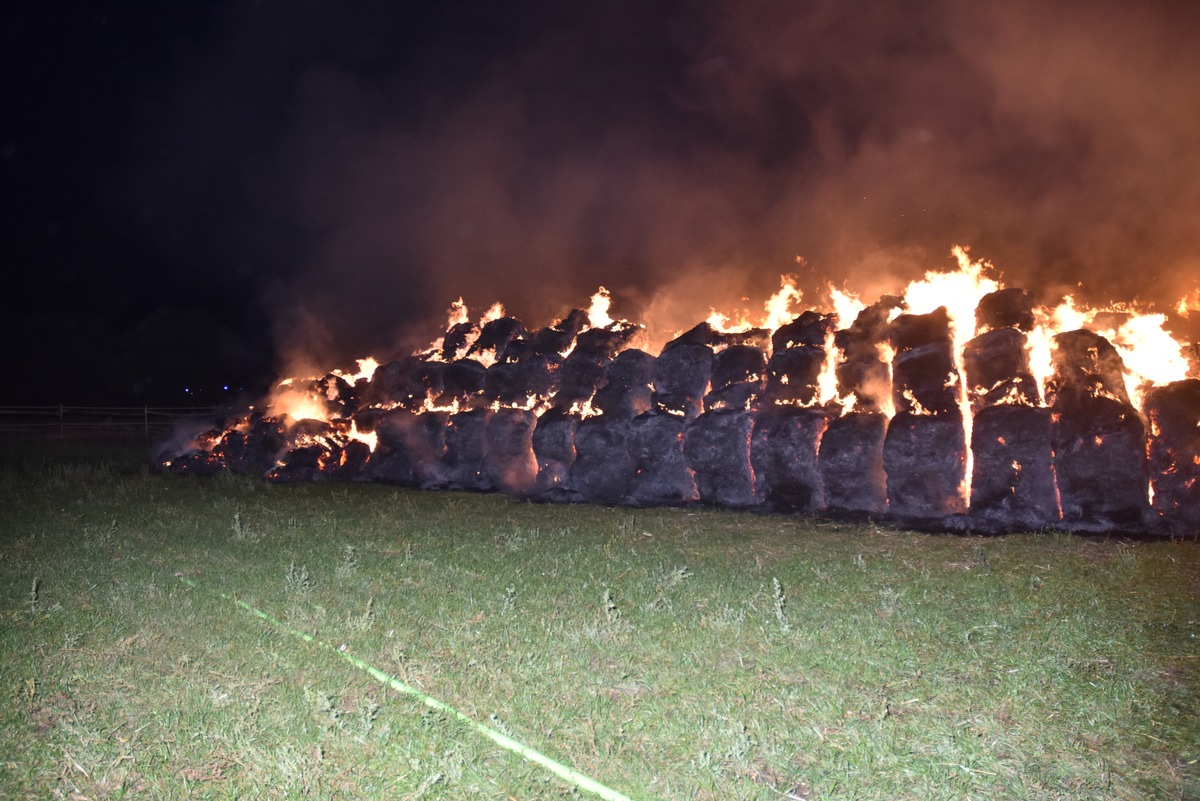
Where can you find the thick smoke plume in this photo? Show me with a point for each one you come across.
(686, 154)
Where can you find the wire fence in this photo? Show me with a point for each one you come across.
(103, 422)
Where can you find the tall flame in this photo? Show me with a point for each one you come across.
(598, 310)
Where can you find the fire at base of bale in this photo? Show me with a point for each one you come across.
(868, 415)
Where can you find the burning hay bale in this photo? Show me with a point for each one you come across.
(604, 468)
(896, 415)
(924, 457)
(850, 461)
(1174, 413)
(553, 443)
(717, 448)
(681, 374)
(409, 449)
(466, 450)
(628, 385)
(509, 461)
(1100, 463)
(661, 475)
(1012, 484)
(783, 453)
(997, 370)
(737, 377)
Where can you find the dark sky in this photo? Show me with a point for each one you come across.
(200, 194)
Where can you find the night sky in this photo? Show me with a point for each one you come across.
(202, 195)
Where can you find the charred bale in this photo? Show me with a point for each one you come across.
(254, 450)
(609, 341)
(1012, 481)
(737, 377)
(996, 364)
(1005, 308)
(457, 339)
(793, 375)
(910, 331)
(783, 452)
(1174, 414)
(505, 384)
(301, 465)
(850, 460)
(510, 462)
(497, 336)
(703, 335)
(862, 372)
(924, 375)
(681, 375)
(463, 383)
(393, 382)
(925, 378)
(868, 379)
(554, 449)
(409, 449)
(810, 329)
(661, 475)
(717, 448)
(341, 398)
(560, 337)
(1085, 365)
(194, 462)
(627, 388)
(925, 459)
(427, 380)
(578, 379)
(1100, 462)
(349, 462)
(603, 470)
(466, 449)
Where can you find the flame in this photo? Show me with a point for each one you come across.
(779, 306)
(366, 369)
(1188, 304)
(846, 306)
(494, 312)
(457, 314)
(887, 355)
(1151, 355)
(959, 292)
(371, 439)
(298, 403)
(598, 311)
(777, 311)
(827, 385)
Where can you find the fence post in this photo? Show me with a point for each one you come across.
(61, 425)
(146, 421)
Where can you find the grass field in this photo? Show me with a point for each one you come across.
(668, 654)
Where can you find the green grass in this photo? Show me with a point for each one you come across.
(670, 654)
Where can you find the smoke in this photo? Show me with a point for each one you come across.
(686, 154)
